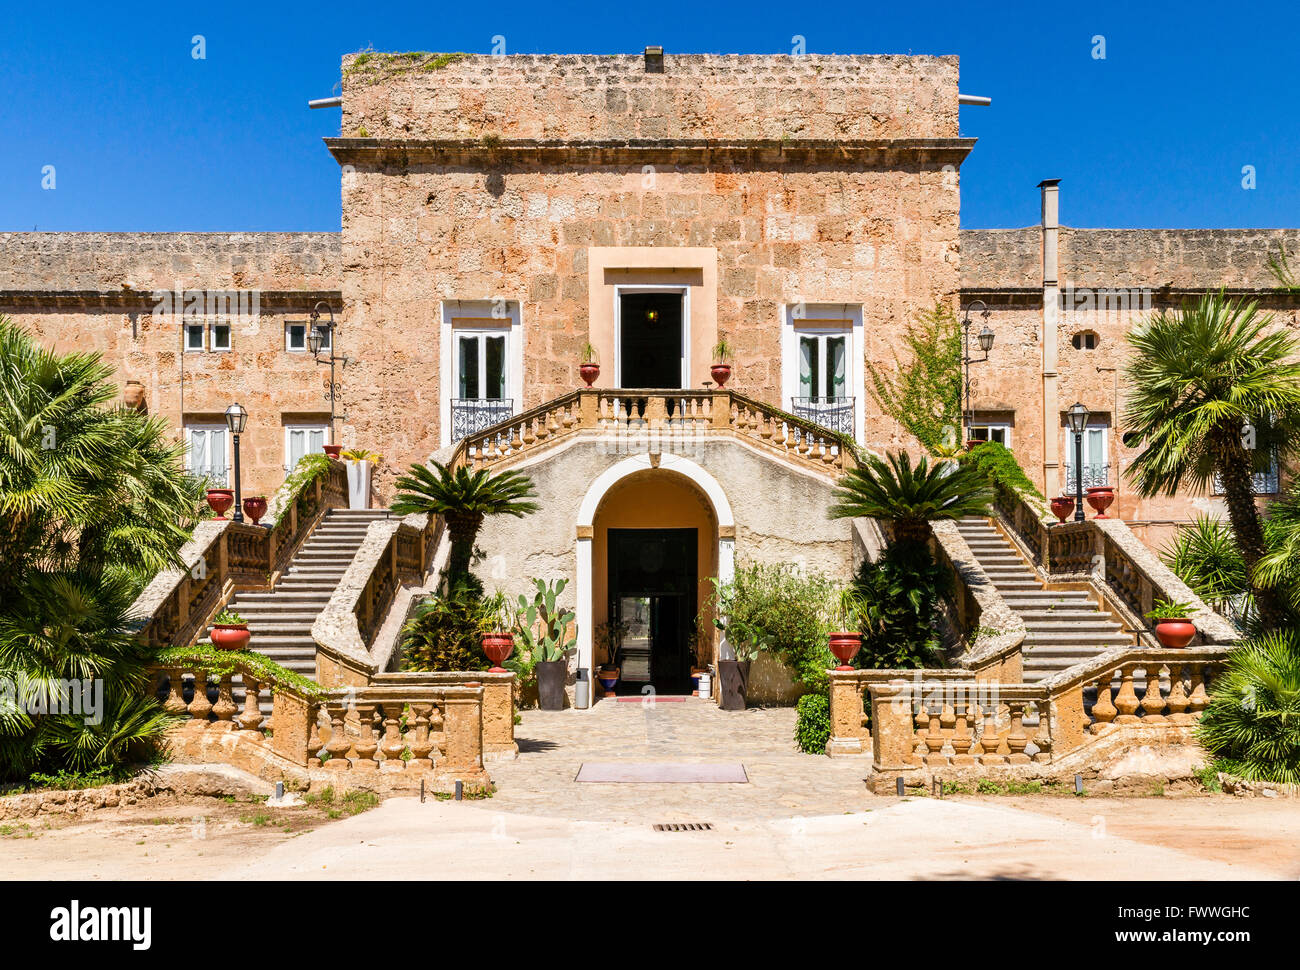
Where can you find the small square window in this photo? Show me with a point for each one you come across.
(193, 337)
(295, 337)
(220, 336)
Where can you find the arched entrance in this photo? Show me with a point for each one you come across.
(651, 531)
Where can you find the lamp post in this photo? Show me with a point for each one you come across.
(985, 340)
(1077, 419)
(236, 418)
(316, 341)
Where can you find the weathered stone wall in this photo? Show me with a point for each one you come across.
(597, 97)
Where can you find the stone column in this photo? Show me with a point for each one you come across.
(1051, 311)
(892, 742)
(586, 608)
(848, 735)
(462, 754)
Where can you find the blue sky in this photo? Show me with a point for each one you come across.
(144, 137)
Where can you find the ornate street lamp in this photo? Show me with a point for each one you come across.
(985, 340)
(236, 418)
(318, 337)
(1077, 419)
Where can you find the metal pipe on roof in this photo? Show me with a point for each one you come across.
(334, 102)
(974, 99)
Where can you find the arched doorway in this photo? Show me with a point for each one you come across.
(652, 530)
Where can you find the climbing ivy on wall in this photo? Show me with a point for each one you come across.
(922, 389)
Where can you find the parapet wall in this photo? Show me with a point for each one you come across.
(698, 96)
(103, 261)
(1155, 258)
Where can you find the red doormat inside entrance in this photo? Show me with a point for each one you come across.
(663, 772)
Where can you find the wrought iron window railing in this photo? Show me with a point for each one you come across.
(1093, 475)
(472, 415)
(218, 476)
(832, 413)
(1261, 483)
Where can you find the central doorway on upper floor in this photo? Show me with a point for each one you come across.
(651, 338)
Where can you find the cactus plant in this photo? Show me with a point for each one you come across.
(542, 626)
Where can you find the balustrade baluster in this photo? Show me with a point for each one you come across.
(393, 744)
(1043, 739)
(421, 744)
(314, 742)
(339, 744)
(200, 707)
(1153, 701)
(225, 708)
(1197, 700)
(366, 744)
(962, 737)
(1017, 740)
(1103, 711)
(989, 740)
(1177, 701)
(251, 719)
(934, 739)
(1126, 701)
(175, 703)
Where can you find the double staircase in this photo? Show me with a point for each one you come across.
(1063, 627)
(280, 621)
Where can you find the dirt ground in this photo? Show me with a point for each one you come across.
(162, 837)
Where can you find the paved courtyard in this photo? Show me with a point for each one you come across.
(782, 781)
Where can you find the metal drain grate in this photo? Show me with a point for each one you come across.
(684, 827)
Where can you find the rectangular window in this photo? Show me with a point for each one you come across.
(1096, 461)
(991, 431)
(303, 439)
(220, 337)
(193, 337)
(205, 453)
(295, 337)
(481, 366)
(823, 358)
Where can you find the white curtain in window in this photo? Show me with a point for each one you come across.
(305, 441)
(808, 367)
(835, 359)
(207, 448)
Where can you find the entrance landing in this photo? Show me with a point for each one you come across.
(783, 782)
(662, 772)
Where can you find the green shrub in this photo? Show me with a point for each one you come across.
(781, 611)
(446, 631)
(812, 727)
(1000, 468)
(1252, 723)
(900, 595)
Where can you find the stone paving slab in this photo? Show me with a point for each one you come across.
(783, 781)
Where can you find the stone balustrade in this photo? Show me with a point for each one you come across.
(1105, 554)
(224, 555)
(392, 728)
(684, 412)
(929, 719)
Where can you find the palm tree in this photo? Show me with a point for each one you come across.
(464, 499)
(1280, 566)
(910, 498)
(1206, 557)
(1252, 723)
(1202, 380)
(93, 501)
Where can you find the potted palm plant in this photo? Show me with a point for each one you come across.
(844, 638)
(361, 463)
(721, 369)
(464, 499)
(609, 637)
(590, 366)
(230, 631)
(547, 635)
(1173, 628)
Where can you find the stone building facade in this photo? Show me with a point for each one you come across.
(499, 213)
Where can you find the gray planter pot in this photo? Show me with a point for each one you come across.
(551, 675)
(733, 683)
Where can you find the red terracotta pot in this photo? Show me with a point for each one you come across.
(974, 443)
(721, 373)
(255, 507)
(230, 636)
(845, 646)
(333, 451)
(1062, 506)
(220, 499)
(1175, 634)
(589, 372)
(1100, 497)
(498, 646)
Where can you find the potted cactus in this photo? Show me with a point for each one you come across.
(544, 630)
(1173, 628)
(230, 631)
(361, 463)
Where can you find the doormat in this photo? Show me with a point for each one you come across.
(662, 772)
